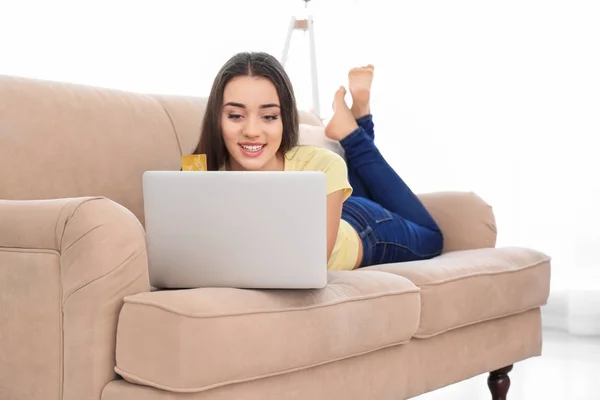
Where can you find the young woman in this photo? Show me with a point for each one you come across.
(251, 123)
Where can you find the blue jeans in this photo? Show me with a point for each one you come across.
(391, 221)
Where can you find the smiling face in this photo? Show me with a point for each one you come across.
(251, 124)
(251, 116)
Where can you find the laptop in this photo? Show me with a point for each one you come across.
(249, 230)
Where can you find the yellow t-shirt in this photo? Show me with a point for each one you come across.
(310, 158)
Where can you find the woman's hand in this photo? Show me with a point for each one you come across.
(335, 201)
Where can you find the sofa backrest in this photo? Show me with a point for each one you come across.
(67, 140)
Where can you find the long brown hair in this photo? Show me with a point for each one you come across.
(246, 64)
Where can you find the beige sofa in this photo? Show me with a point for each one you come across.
(78, 319)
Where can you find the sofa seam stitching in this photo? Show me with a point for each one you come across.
(68, 219)
(239, 314)
(131, 257)
(61, 319)
(57, 240)
(29, 250)
(477, 274)
(80, 238)
(256, 378)
(524, 310)
(172, 124)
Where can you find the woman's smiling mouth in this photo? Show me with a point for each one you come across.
(252, 149)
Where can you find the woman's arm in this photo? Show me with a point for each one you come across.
(335, 201)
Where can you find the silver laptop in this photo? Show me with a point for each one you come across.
(262, 230)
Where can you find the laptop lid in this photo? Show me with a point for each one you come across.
(236, 229)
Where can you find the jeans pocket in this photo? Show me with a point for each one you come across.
(366, 216)
(378, 214)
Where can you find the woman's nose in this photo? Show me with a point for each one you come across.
(252, 128)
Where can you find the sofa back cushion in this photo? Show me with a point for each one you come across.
(65, 140)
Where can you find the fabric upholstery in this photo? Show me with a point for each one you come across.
(64, 140)
(210, 337)
(466, 287)
(315, 136)
(30, 323)
(309, 118)
(394, 373)
(186, 114)
(65, 267)
(465, 219)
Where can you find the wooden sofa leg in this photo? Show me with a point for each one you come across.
(499, 383)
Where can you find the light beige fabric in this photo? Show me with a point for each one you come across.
(30, 323)
(394, 373)
(186, 114)
(315, 136)
(65, 267)
(210, 337)
(466, 220)
(309, 118)
(101, 139)
(63, 140)
(466, 287)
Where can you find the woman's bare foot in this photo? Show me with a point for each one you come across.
(342, 123)
(359, 83)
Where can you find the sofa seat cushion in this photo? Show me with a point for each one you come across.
(466, 287)
(198, 339)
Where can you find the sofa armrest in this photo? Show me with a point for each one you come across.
(65, 267)
(465, 219)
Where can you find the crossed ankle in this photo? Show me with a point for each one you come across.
(360, 112)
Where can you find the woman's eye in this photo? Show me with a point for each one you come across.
(271, 117)
(234, 116)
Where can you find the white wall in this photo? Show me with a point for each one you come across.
(501, 98)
